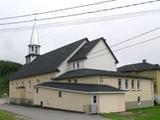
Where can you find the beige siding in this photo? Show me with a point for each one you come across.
(77, 101)
(14, 93)
(153, 74)
(158, 81)
(146, 91)
(111, 103)
(68, 101)
(104, 61)
(112, 81)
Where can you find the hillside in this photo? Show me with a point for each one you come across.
(7, 68)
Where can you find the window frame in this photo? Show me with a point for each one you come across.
(126, 85)
(138, 85)
(60, 94)
(120, 85)
(133, 84)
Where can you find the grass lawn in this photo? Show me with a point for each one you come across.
(7, 116)
(152, 113)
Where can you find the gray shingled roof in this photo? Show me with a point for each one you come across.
(80, 87)
(48, 62)
(144, 66)
(93, 72)
(84, 50)
(82, 53)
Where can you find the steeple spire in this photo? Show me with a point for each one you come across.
(34, 47)
(34, 36)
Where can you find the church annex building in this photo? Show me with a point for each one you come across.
(81, 76)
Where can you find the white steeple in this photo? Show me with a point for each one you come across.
(34, 47)
(34, 36)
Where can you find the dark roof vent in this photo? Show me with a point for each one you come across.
(144, 61)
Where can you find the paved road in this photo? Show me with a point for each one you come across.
(47, 114)
(3, 100)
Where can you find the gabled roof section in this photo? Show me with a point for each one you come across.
(144, 66)
(48, 62)
(83, 52)
(80, 87)
(94, 72)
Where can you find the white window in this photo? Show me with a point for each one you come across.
(126, 84)
(94, 99)
(119, 83)
(132, 84)
(138, 85)
(138, 100)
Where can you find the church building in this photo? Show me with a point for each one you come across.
(81, 76)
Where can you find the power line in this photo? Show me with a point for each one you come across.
(137, 36)
(129, 46)
(84, 21)
(83, 13)
(58, 10)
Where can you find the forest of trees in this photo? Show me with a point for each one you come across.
(7, 68)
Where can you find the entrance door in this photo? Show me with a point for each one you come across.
(94, 104)
(22, 95)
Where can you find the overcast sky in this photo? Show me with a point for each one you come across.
(13, 43)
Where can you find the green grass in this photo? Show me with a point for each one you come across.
(7, 116)
(152, 113)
